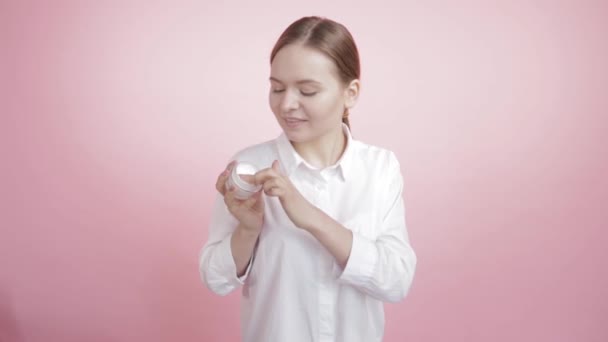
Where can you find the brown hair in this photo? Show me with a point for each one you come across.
(329, 37)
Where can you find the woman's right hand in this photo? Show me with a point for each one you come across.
(249, 212)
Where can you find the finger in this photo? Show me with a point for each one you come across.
(229, 198)
(264, 175)
(248, 178)
(259, 203)
(274, 187)
(276, 166)
(230, 165)
(272, 183)
(220, 184)
(250, 202)
(274, 192)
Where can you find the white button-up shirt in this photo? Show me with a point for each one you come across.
(293, 289)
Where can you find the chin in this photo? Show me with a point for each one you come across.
(297, 137)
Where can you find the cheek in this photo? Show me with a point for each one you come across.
(273, 102)
(324, 107)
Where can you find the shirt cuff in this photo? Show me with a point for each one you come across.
(226, 260)
(361, 263)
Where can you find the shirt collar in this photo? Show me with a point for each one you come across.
(291, 160)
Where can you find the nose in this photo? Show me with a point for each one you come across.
(289, 102)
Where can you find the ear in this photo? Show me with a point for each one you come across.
(351, 93)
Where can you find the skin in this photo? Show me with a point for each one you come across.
(305, 87)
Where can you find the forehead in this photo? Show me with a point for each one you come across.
(297, 62)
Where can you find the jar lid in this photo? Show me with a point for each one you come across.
(245, 168)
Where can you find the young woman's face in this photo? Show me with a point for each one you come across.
(306, 94)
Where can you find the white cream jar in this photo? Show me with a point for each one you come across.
(243, 189)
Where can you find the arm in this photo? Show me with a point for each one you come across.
(242, 245)
(225, 259)
(383, 267)
(332, 235)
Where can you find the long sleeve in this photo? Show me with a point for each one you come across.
(216, 263)
(384, 267)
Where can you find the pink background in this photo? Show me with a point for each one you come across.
(116, 119)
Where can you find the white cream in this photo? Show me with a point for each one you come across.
(243, 189)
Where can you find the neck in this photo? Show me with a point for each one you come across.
(324, 151)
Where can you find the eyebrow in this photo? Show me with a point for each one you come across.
(297, 82)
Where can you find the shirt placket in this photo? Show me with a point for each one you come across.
(325, 288)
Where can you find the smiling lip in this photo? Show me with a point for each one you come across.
(293, 122)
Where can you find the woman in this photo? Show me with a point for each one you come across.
(324, 243)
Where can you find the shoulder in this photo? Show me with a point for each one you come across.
(260, 154)
(375, 156)
(377, 169)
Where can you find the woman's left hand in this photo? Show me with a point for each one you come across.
(276, 184)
